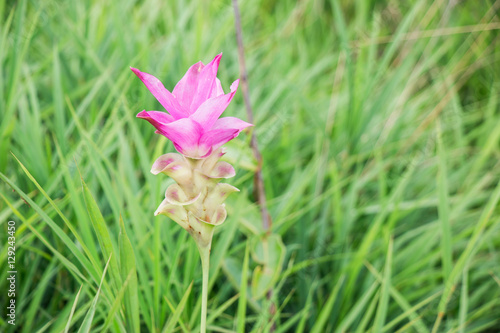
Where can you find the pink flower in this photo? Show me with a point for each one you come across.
(194, 107)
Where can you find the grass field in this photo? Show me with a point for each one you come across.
(379, 127)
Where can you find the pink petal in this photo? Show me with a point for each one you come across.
(206, 83)
(185, 134)
(156, 118)
(217, 89)
(163, 96)
(186, 88)
(230, 122)
(216, 138)
(224, 130)
(208, 112)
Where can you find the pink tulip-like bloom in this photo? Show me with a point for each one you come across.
(194, 107)
(192, 123)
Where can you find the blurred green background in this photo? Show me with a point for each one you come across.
(379, 126)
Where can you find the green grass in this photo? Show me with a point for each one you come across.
(379, 127)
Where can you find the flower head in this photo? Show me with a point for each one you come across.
(194, 107)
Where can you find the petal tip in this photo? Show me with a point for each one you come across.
(143, 114)
(136, 71)
(234, 85)
(215, 62)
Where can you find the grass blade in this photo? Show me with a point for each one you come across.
(102, 233)
(68, 325)
(175, 317)
(129, 274)
(324, 315)
(242, 302)
(87, 321)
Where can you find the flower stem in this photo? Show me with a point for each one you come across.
(205, 265)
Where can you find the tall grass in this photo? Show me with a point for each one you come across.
(379, 126)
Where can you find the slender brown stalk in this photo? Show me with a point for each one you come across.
(258, 180)
(260, 192)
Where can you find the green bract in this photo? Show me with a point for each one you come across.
(196, 201)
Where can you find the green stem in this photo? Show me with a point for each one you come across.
(205, 265)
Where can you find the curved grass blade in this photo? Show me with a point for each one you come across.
(102, 233)
(242, 303)
(87, 321)
(325, 313)
(175, 317)
(68, 325)
(129, 275)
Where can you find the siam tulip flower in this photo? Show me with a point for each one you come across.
(194, 107)
(196, 200)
